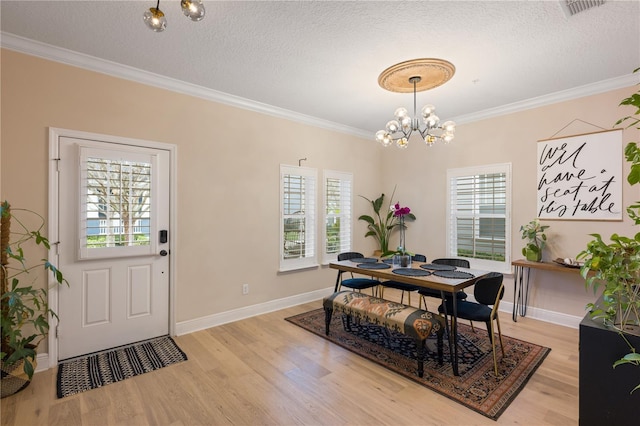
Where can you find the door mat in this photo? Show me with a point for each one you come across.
(476, 387)
(98, 369)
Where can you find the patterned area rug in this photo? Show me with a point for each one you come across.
(477, 387)
(95, 370)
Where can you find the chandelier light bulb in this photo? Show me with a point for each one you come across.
(449, 126)
(427, 110)
(392, 126)
(430, 140)
(154, 19)
(193, 9)
(432, 120)
(401, 113)
(402, 143)
(406, 123)
(447, 137)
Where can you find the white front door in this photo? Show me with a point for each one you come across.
(113, 208)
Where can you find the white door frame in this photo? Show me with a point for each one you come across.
(53, 220)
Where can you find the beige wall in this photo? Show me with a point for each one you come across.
(421, 177)
(228, 162)
(228, 172)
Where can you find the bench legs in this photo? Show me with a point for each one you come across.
(328, 313)
(420, 352)
(420, 343)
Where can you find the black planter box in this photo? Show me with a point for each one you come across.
(604, 392)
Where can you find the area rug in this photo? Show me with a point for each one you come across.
(476, 387)
(95, 370)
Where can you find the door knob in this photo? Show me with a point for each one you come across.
(163, 253)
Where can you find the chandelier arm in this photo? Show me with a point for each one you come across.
(427, 132)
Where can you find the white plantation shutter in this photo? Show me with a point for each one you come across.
(297, 217)
(479, 216)
(338, 226)
(116, 203)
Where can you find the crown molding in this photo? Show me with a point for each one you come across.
(91, 63)
(70, 57)
(552, 98)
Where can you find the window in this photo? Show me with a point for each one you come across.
(337, 214)
(297, 217)
(479, 216)
(116, 204)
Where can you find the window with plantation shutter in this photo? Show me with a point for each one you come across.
(297, 217)
(337, 214)
(479, 216)
(116, 203)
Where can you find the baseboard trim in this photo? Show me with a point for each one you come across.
(545, 315)
(209, 321)
(43, 362)
(190, 326)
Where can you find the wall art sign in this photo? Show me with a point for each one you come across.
(580, 177)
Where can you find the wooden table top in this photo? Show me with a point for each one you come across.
(547, 266)
(430, 281)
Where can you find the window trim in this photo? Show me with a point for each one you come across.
(491, 265)
(310, 216)
(345, 178)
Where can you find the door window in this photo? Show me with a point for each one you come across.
(116, 204)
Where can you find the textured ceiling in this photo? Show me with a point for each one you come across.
(323, 58)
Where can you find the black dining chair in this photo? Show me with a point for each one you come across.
(488, 292)
(403, 286)
(428, 292)
(355, 283)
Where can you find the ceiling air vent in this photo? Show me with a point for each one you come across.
(571, 7)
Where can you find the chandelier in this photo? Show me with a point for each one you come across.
(155, 20)
(416, 75)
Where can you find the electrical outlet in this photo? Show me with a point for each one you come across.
(245, 288)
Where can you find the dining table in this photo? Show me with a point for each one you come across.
(445, 280)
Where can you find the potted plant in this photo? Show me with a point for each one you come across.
(384, 222)
(533, 232)
(24, 310)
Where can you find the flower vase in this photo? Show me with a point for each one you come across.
(401, 247)
(404, 259)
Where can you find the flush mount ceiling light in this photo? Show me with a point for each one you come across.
(155, 20)
(416, 75)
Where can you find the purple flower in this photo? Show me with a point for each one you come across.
(400, 211)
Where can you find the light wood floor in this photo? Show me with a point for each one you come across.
(266, 371)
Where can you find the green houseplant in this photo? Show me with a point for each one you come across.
(533, 232)
(24, 309)
(615, 265)
(384, 222)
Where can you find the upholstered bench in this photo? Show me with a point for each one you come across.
(408, 320)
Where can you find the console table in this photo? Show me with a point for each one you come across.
(521, 282)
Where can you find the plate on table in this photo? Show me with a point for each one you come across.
(371, 265)
(364, 260)
(569, 263)
(453, 274)
(409, 272)
(438, 267)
